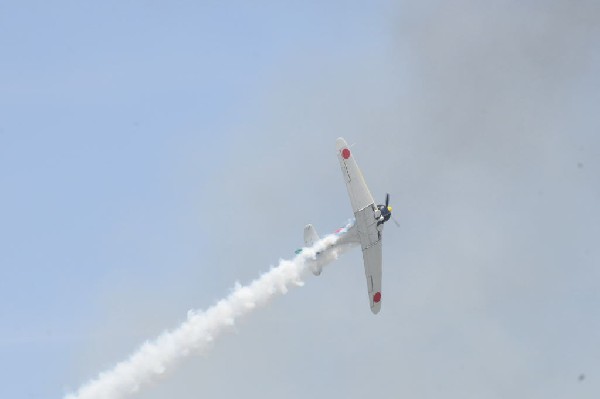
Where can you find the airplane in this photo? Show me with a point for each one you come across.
(365, 229)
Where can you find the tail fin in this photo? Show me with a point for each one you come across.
(310, 238)
(310, 235)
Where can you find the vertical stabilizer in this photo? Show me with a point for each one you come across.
(310, 235)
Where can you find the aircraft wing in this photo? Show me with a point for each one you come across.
(372, 260)
(369, 232)
(360, 197)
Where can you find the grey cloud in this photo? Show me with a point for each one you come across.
(475, 117)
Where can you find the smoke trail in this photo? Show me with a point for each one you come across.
(200, 328)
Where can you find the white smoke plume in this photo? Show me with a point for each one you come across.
(201, 327)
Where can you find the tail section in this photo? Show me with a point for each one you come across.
(310, 238)
(310, 235)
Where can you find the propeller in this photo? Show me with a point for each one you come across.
(387, 203)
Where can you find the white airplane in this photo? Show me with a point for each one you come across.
(365, 229)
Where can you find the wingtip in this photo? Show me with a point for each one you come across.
(341, 143)
(376, 308)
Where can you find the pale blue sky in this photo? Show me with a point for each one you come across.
(99, 104)
(152, 153)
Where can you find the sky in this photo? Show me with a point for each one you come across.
(152, 154)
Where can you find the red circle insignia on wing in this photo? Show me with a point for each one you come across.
(377, 297)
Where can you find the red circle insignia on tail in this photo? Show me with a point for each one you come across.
(345, 153)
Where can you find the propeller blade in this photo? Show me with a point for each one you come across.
(387, 199)
(396, 222)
